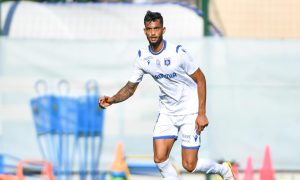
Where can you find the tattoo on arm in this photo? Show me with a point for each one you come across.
(124, 93)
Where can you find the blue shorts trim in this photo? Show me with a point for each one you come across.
(165, 137)
(193, 147)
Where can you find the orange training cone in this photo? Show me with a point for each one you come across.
(119, 169)
(267, 172)
(249, 174)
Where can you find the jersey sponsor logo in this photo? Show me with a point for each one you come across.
(167, 76)
(167, 61)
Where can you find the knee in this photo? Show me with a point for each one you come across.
(189, 165)
(160, 158)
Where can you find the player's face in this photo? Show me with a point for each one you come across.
(154, 32)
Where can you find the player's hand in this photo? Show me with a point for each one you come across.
(104, 102)
(201, 123)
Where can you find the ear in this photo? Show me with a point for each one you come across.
(145, 30)
(164, 30)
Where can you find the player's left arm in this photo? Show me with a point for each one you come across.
(201, 121)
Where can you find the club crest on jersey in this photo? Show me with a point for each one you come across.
(157, 62)
(167, 61)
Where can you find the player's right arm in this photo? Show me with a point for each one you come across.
(123, 94)
(128, 90)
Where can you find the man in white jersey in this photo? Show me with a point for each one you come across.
(182, 101)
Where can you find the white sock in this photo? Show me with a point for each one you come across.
(167, 170)
(210, 167)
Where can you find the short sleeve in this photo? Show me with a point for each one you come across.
(138, 72)
(188, 63)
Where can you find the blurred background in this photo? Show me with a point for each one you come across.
(249, 52)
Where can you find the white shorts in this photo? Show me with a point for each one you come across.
(168, 127)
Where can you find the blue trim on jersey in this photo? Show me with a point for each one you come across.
(165, 137)
(140, 53)
(177, 48)
(162, 49)
(193, 147)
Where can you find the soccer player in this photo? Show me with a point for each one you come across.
(182, 101)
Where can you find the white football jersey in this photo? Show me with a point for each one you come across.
(170, 68)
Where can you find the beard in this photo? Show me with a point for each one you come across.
(155, 44)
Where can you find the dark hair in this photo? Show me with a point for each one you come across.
(153, 16)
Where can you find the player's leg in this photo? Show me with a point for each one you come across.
(192, 163)
(162, 149)
(189, 158)
(190, 145)
(164, 136)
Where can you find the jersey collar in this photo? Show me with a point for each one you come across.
(162, 49)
